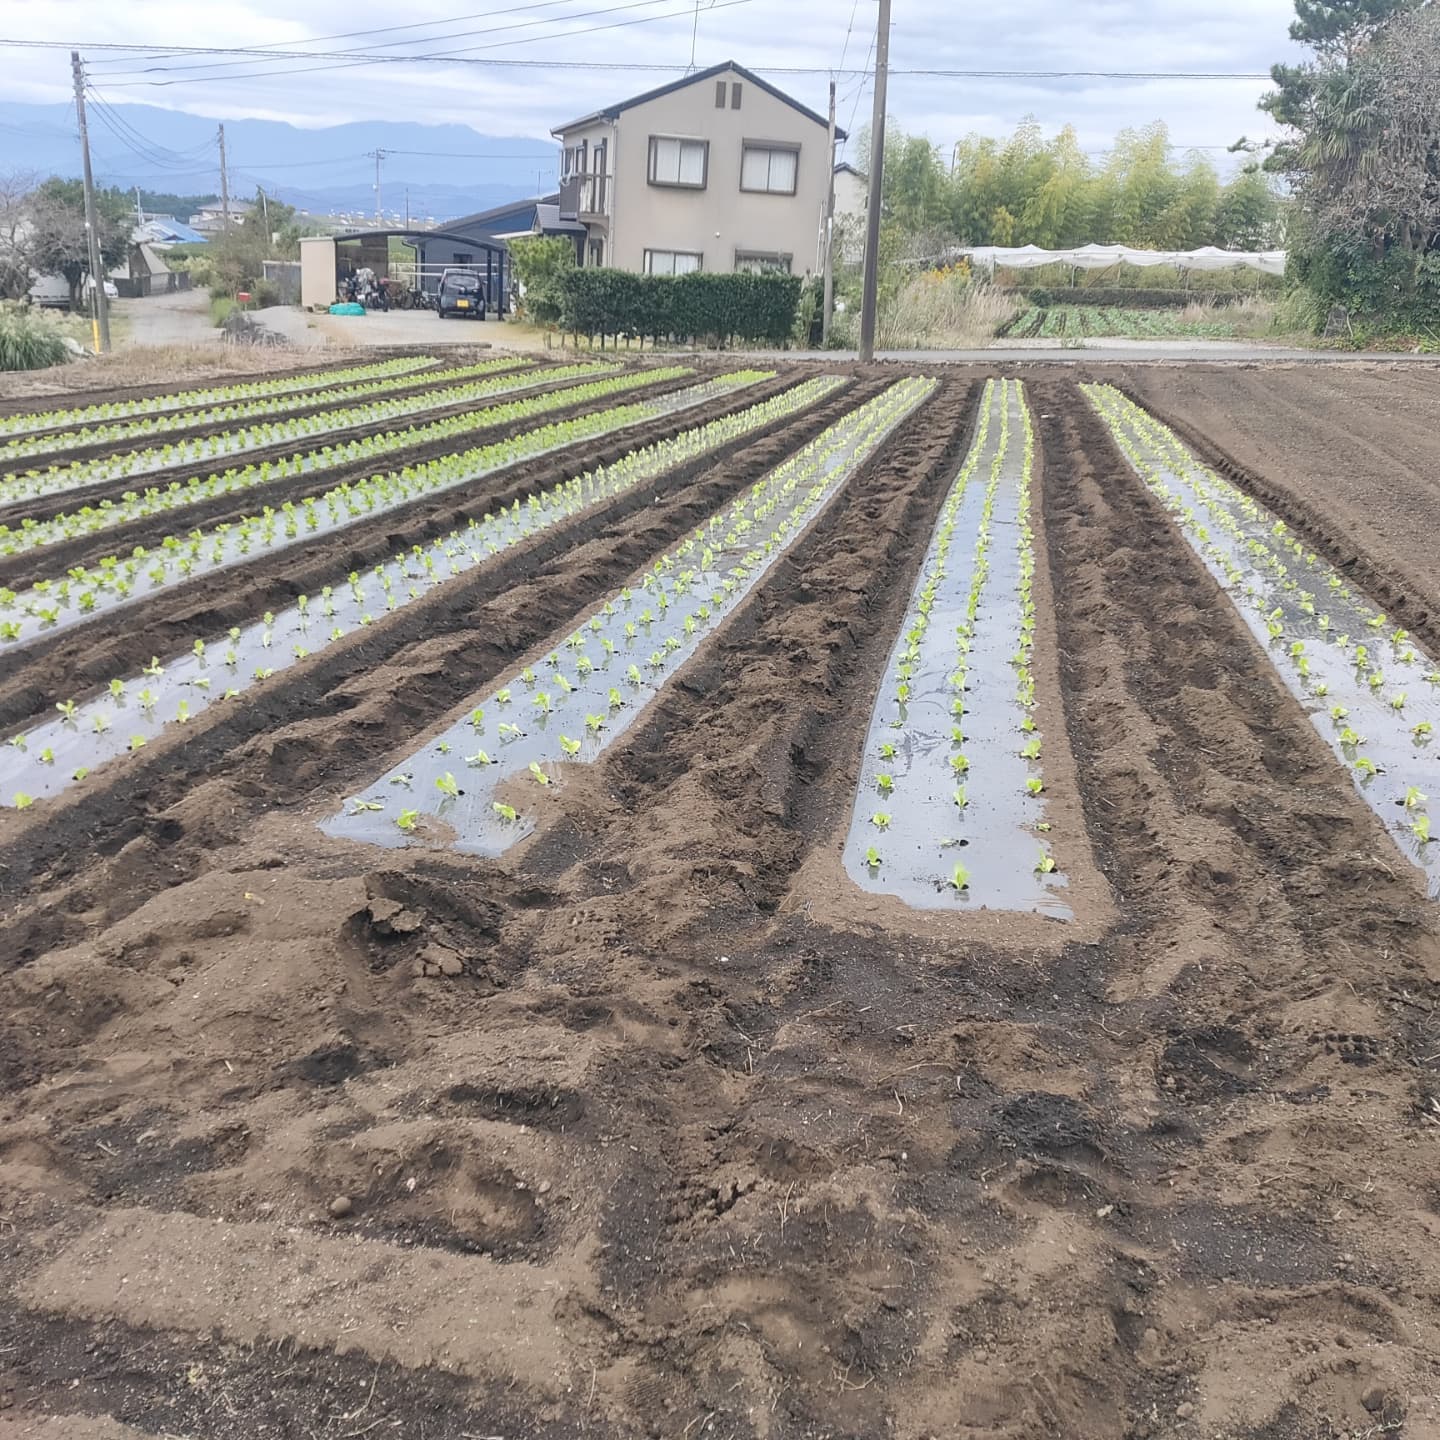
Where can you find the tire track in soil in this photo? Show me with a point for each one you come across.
(1407, 596)
(17, 572)
(86, 658)
(327, 721)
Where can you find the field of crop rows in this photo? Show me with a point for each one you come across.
(693, 899)
(1079, 322)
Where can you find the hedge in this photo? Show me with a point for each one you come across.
(706, 308)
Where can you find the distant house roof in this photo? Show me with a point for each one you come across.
(162, 230)
(849, 169)
(612, 112)
(488, 220)
(217, 207)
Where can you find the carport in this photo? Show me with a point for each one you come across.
(327, 260)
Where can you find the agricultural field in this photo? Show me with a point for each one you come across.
(703, 900)
(1082, 322)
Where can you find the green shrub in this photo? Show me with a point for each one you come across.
(539, 263)
(28, 341)
(706, 308)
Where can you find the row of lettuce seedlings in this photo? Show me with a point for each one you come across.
(949, 809)
(1371, 691)
(32, 534)
(475, 786)
(121, 432)
(18, 486)
(83, 593)
(134, 709)
(76, 418)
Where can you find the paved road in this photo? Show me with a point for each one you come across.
(179, 319)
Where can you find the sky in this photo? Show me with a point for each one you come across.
(1144, 35)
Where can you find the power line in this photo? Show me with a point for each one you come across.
(367, 55)
(667, 68)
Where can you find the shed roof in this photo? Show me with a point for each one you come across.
(611, 112)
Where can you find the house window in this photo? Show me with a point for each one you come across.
(464, 257)
(597, 252)
(769, 169)
(683, 163)
(762, 262)
(575, 156)
(672, 262)
(719, 94)
(735, 96)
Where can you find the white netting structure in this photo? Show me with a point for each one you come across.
(1103, 257)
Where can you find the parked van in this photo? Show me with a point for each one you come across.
(461, 293)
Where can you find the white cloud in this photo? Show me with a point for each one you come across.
(1229, 35)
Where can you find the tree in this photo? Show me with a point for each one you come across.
(1364, 157)
(59, 239)
(16, 236)
(540, 264)
(1247, 216)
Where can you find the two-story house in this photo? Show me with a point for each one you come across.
(718, 171)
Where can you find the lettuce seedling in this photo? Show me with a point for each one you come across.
(81, 772)
(137, 742)
(477, 718)
(23, 801)
(1368, 768)
(960, 878)
(507, 813)
(872, 855)
(538, 773)
(508, 732)
(959, 764)
(117, 689)
(885, 783)
(1030, 750)
(407, 819)
(959, 797)
(542, 701)
(615, 699)
(361, 806)
(569, 746)
(155, 668)
(67, 708)
(1421, 827)
(880, 820)
(1413, 798)
(479, 758)
(1045, 865)
(448, 786)
(1422, 731)
(594, 723)
(1034, 785)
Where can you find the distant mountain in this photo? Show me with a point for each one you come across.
(449, 170)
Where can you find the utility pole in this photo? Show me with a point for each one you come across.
(829, 233)
(101, 323)
(139, 208)
(224, 184)
(407, 207)
(877, 187)
(377, 155)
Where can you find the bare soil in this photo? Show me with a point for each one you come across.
(645, 1130)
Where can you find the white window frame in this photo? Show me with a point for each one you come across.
(778, 262)
(651, 256)
(770, 148)
(682, 141)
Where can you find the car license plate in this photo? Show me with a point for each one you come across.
(462, 304)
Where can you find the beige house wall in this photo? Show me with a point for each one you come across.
(721, 219)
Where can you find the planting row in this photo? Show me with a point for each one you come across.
(1368, 687)
(121, 432)
(33, 534)
(477, 784)
(950, 804)
(133, 709)
(63, 602)
(33, 421)
(16, 487)
(1099, 321)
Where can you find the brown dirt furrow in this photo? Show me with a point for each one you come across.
(300, 402)
(701, 1161)
(322, 724)
(1346, 460)
(232, 366)
(123, 640)
(21, 570)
